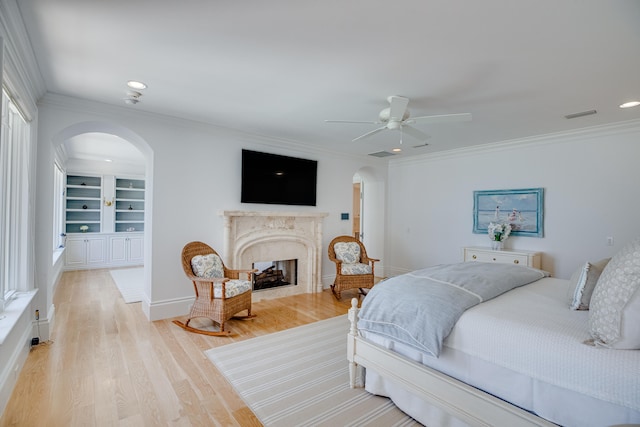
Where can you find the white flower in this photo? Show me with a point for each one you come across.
(499, 232)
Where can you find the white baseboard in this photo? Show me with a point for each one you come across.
(166, 309)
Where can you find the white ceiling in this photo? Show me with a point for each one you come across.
(279, 68)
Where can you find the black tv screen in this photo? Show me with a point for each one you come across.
(278, 180)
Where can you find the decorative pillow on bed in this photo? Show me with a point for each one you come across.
(583, 283)
(207, 266)
(347, 252)
(614, 313)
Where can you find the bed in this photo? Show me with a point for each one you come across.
(517, 358)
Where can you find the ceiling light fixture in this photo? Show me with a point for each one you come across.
(133, 97)
(134, 84)
(630, 104)
(397, 150)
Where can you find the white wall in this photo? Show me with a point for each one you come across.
(590, 180)
(195, 174)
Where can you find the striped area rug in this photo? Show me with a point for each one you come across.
(300, 377)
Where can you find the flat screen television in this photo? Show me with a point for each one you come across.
(278, 180)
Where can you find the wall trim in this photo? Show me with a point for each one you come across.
(116, 112)
(168, 308)
(590, 132)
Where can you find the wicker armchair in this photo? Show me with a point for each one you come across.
(220, 294)
(354, 269)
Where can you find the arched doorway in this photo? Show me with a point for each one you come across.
(130, 153)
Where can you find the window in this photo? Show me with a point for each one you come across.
(14, 198)
(58, 207)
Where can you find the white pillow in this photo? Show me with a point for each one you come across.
(583, 282)
(614, 313)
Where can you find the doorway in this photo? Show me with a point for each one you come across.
(356, 224)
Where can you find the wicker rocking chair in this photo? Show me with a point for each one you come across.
(354, 269)
(220, 294)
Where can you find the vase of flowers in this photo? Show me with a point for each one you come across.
(498, 233)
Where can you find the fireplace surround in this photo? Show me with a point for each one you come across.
(254, 236)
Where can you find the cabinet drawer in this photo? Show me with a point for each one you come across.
(531, 259)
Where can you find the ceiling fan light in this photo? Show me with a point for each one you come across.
(394, 125)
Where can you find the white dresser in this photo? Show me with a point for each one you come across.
(528, 258)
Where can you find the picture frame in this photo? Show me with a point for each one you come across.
(522, 208)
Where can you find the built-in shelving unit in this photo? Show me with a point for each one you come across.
(83, 204)
(129, 205)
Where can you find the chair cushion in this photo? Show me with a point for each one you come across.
(355, 268)
(233, 287)
(208, 266)
(348, 252)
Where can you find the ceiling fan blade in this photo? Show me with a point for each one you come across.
(417, 134)
(442, 118)
(349, 121)
(398, 108)
(373, 132)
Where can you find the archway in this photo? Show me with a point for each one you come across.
(125, 134)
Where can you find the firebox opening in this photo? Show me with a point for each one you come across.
(272, 274)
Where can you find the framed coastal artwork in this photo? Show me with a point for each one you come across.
(522, 208)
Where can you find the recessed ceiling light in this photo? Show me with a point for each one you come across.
(397, 150)
(630, 104)
(108, 160)
(133, 84)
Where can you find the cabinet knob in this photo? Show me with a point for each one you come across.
(494, 259)
(474, 257)
(515, 261)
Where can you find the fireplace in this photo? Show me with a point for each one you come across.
(273, 274)
(253, 236)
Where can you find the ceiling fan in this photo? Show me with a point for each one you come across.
(397, 117)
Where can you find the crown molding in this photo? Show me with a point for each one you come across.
(617, 128)
(21, 72)
(125, 113)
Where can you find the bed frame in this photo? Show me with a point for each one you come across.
(458, 399)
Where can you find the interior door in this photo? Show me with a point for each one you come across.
(357, 198)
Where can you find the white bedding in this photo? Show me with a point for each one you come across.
(526, 347)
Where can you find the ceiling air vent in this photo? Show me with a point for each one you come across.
(583, 113)
(382, 154)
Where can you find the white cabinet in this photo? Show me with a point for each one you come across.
(85, 251)
(126, 250)
(528, 258)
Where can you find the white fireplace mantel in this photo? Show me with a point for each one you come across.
(253, 236)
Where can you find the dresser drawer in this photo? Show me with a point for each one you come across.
(531, 259)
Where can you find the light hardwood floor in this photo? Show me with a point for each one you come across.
(107, 365)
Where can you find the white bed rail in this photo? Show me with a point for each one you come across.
(460, 400)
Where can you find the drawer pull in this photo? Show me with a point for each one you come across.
(516, 261)
(474, 257)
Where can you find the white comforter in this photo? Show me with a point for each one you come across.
(530, 332)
